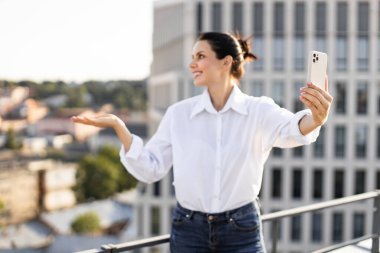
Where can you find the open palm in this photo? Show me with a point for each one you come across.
(105, 120)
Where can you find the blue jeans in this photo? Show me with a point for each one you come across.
(235, 231)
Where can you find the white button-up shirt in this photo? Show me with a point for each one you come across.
(217, 157)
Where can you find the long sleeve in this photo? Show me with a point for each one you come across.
(151, 162)
(281, 128)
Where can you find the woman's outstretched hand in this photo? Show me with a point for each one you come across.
(104, 121)
(107, 121)
(319, 102)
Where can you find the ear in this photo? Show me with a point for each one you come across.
(227, 61)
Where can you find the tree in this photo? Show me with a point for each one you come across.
(11, 140)
(86, 223)
(125, 181)
(97, 178)
(101, 176)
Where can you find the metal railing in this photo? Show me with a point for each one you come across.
(274, 218)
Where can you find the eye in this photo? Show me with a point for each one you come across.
(201, 56)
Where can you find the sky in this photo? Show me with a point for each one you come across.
(75, 40)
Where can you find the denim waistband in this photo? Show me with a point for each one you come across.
(240, 211)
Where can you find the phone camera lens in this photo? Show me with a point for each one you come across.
(313, 60)
(314, 55)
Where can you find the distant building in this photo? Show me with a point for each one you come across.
(27, 187)
(344, 160)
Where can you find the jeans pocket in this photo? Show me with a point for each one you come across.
(247, 223)
(180, 217)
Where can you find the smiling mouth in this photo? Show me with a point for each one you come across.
(197, 74)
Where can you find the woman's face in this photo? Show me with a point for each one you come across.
(205, 67)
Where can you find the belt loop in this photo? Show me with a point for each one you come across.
(228, 216)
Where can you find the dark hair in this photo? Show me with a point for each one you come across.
(224, 44)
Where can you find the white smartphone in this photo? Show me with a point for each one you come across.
(317, 68)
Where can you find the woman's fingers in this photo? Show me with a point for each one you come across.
(106, 120)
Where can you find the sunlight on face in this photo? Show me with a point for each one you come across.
(205, 66)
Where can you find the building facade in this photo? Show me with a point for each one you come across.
(344, 161)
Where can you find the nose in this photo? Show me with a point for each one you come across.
(192, 64)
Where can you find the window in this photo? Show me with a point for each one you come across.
(337, 227)
(363, 18)
(320, 19)
(237, 21)
(155, 221)
(341, 23)
(276, 183)
(340, 97)
(377, 183)
(321, 44)
(362, 98)
(363, 53)
(320, 27)
(278, 93)
(297, 104)
(279, 53)
(258, 49)
(258, 19)
(199, 21)
(360, 181)
(299, 28)
(361, 140)
(363, 34)
(319, 144)
(157, 189)
(341, 53)
(297, 184)
(299, 53)
(378, 143)
(318, 184)
(279, 42)
(298, 151)
(338, 183)
(257, 88)
(340, 141)
(258, 32)
(316, 227)
(277, 152)
(378, 95)
(296, 228)
(217, 18)
(279, 19)
(359, 225)
(341, 43)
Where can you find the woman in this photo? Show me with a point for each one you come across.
(217, 144)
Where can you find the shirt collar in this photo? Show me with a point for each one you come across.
(236, 101)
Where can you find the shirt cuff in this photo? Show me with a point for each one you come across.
(295, 129)
(134, 150)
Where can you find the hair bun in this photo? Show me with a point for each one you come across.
(246, 49)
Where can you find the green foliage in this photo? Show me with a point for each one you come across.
(76, 96)
(86, 223)
(101, 176)
(2, 205)
(122, 94)
(11, 141)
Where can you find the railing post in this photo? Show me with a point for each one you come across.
(376, 225)
(108, 247)
(274, 235)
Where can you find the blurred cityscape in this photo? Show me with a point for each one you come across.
(46, 185)
(62, 188)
